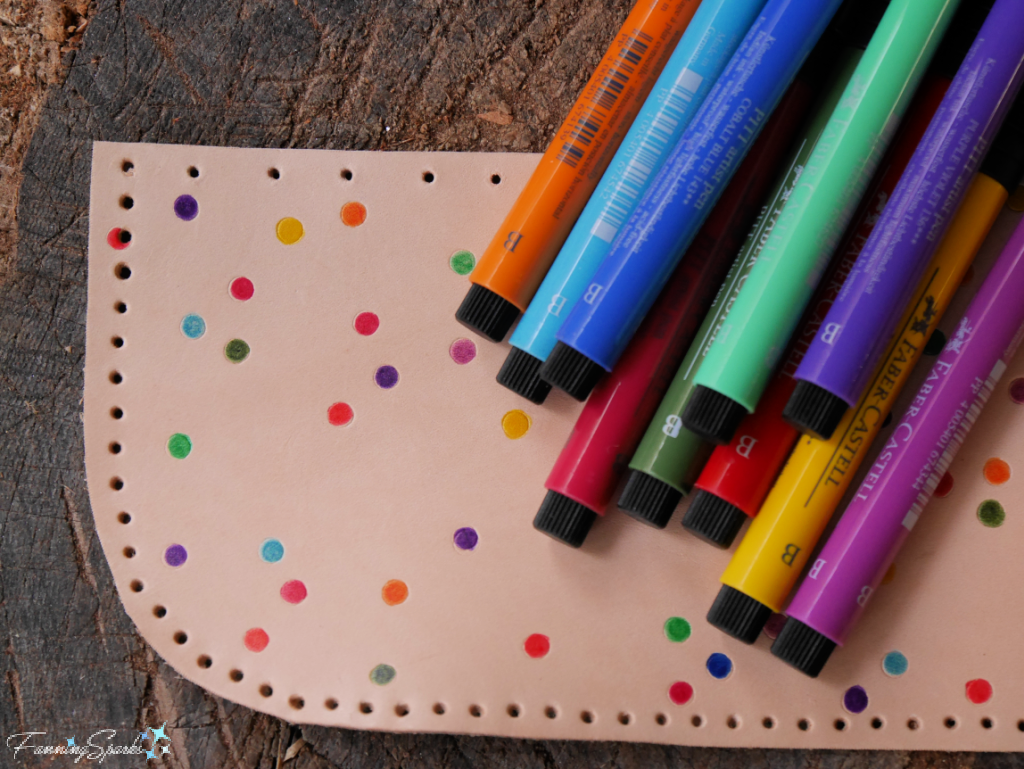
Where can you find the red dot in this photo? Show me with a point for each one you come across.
(680, 692)
(256, 639)
(114, 239)
(945, 486)
(293, 591)
(537, 645)
(366, 323)
(242, 289)
(979, 691)
(340, 414)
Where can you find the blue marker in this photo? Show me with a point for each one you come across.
(683, 193)
(709, 42)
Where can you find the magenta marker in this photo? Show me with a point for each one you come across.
(899, 484)
(858, 327)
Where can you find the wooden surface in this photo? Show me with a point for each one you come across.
(355, 74)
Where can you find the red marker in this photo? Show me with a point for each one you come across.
(585, 476)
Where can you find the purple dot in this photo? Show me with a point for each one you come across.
(386, 377)
(186, 207)
(175, 555)
(855, 700)
(1017, 390)
(462, 351)
(466, 538)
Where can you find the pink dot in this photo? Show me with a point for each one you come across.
(462, 351)
(366, 323)
(293, 591)
(340, 414)
(256, 639)
(773, 626)
(1017, 390)
(537, 645)
(979, 691)
(680, 692)
(242, 289)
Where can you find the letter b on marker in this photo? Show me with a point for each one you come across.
(513, 240)
(746, 444)
(593, 292)
(828, 336)
(672, 426)
(813, 573)
(557, 303)
(790, 553)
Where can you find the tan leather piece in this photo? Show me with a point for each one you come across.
(381, 498)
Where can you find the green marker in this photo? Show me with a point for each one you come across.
(665, 464)
(736, 369)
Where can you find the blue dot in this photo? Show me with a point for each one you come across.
(272, 551)
(719, 665)
(895, 664)
(193, 326)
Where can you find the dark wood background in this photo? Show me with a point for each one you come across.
(352, 74)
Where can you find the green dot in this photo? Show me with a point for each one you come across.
(236, 350)
(991, 513)
(677, 629)
(462, 262)
(382, 674)
(180, 445)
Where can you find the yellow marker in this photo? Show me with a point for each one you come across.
(769, 560)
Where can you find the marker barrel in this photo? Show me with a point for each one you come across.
(861, 321)
(686, 189)
(893, 495)
(739, 364)
(709, 42)
(514, 263)
(587, 471)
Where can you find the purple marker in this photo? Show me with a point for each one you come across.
(858, 327)
(909, 467)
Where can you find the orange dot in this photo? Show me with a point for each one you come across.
(997, 471)
(353, 214)
(394, 592)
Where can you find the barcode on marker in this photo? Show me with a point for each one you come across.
(652, 149)
(610, 87)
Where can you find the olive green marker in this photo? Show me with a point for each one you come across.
(736, 369)
(665, 464)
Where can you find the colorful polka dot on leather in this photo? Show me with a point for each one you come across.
(289, 230)
(118, 239)
(462, 262)
(680, 692)
(394, 592)
(353, 214)
(193, 326)
(677, 629)
(293, 591)
(272, 550)
(719, 665)
(890, 574)
(340, 414)
(366, 323)
(466, 538)
(386, 377)
(236, 350)
(945, 486)
(1016, 390)
(462, 351)
(383, 675)
(179, 446)
(991, 513)
(996, 471)
(256, 639)
(979, 691)
(773, 626)
(895, 664)
(855, 700)
(175, 555)
(516, 423)
(242, 289)
(186, 207)
(537, 645)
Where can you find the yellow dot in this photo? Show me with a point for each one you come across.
(515, 423)
(289, 230)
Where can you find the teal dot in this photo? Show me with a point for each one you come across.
(462, 262)
(895, 664)
(179, 445)
(272, 551)
(193, 326)
(383, 674)
(677, 629)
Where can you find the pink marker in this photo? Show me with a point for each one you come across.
(903, 478)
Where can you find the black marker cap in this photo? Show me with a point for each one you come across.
(805, 649)
(487, 313)
(572, 371)
(649, 500)
(960, 35)
(563, 519)
(814, 410)
(712, 416)
(738, 614)
(1004, 162)
(519, 374)
(713, 519)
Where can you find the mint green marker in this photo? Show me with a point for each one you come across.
(738, 365)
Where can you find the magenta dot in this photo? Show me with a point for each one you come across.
(242, 289)
(186, 207)
(293, 591)
(175, 555)
(466, 538)
(773, 626)
(386, 377)
(1017, 390)
(680, 692)
(366, 323)
(462, 351)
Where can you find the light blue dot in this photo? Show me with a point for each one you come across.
(719, 665)
(895, 664)
(272, 551)
(193, 326)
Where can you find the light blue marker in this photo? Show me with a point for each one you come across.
(713, 35)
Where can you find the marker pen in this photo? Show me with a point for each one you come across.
(514, 263)
(664, 462)
(709, 42)
(736, 370)
(892, 497)
(584, 478)
(853, 336)
(685, 190)
(781, 537)
(737, 477)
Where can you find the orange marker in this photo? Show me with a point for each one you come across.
(529, 239)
